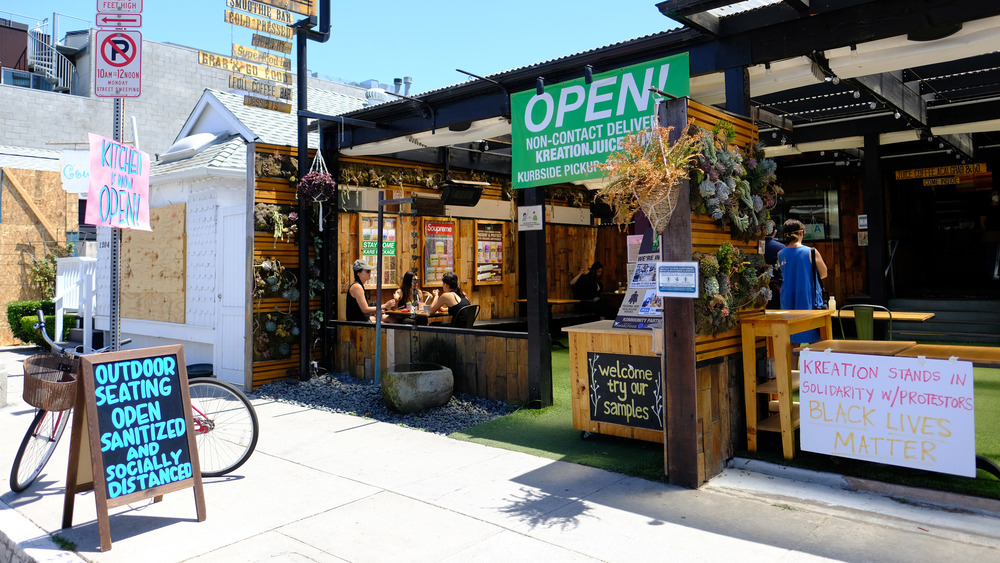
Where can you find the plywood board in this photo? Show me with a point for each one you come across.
(154, 266)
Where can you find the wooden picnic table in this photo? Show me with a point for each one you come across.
(988, 356)
(873, 347)
(422, 318)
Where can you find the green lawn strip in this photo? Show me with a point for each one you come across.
(549, 433)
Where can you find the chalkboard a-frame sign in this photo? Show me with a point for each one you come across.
(131, 437)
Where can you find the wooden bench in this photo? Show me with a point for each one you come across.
(980, 356)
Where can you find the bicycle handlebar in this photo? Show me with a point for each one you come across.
(76, 350)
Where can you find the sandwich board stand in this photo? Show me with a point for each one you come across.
(132, 435)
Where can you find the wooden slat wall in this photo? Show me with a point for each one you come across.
(280, 192)
(568, 248)
(486, 364)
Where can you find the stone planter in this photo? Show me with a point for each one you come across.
(409, 388)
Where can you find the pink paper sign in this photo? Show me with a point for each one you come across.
(119, 185)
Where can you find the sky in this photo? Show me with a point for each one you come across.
(386, 39)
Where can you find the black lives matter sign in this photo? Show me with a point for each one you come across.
(626, 390)
(141, 424)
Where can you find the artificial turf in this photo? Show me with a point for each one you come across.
(549, 433)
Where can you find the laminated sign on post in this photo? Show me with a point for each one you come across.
(118, 64)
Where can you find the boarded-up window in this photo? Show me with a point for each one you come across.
(153, 267)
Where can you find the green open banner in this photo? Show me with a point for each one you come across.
(560, 134)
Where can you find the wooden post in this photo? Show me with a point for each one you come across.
(681, 397)
(537, 295)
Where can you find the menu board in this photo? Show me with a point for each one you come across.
(625, 390)
(132, 437)
(369, 249)
(489, 253)
(439, 249)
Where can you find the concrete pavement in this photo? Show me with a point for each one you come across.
(330, 487)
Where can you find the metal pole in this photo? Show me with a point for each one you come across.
(116, 244)
(303, 238)
(378, 294)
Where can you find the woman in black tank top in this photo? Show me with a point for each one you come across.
(453, 298)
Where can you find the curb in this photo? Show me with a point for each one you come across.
(913, 495)
(21, 541)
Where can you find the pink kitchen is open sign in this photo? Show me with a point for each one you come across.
(119, 185)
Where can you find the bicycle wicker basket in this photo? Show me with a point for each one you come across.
(49, 382)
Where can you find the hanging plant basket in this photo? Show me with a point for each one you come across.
(646, 174)
(318, 185)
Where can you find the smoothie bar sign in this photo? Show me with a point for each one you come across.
(561, 133)
(119, 185)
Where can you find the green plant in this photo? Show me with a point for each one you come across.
(731, 280)
(42, 271)
(737, 191)
(274, 334)
(63, 543)
(275, 165)
(18, 309)
(27, 326)
(646, 174)
(277, 219)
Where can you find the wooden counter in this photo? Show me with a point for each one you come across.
(601, 338)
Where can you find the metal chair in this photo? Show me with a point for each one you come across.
(466, 317)
(864, 320)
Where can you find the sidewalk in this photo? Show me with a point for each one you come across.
(331, 487)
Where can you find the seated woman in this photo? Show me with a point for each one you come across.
(587, 287)
(358, 308)
(453, 298)
(409, 291)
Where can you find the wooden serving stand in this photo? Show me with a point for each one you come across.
(776, 327)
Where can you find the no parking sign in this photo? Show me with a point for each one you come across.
(118, 64)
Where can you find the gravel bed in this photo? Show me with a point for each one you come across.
(344, 394)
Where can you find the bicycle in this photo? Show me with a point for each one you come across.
(223, 419)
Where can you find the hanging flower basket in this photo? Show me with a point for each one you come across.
(317, 186)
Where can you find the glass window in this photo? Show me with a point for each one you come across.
(818, 208)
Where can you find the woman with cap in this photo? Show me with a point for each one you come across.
(358, 308)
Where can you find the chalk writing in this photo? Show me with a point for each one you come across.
(626, 390)
(143, 432)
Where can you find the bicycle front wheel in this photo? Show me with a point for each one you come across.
(39, 443)
(225, 426)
